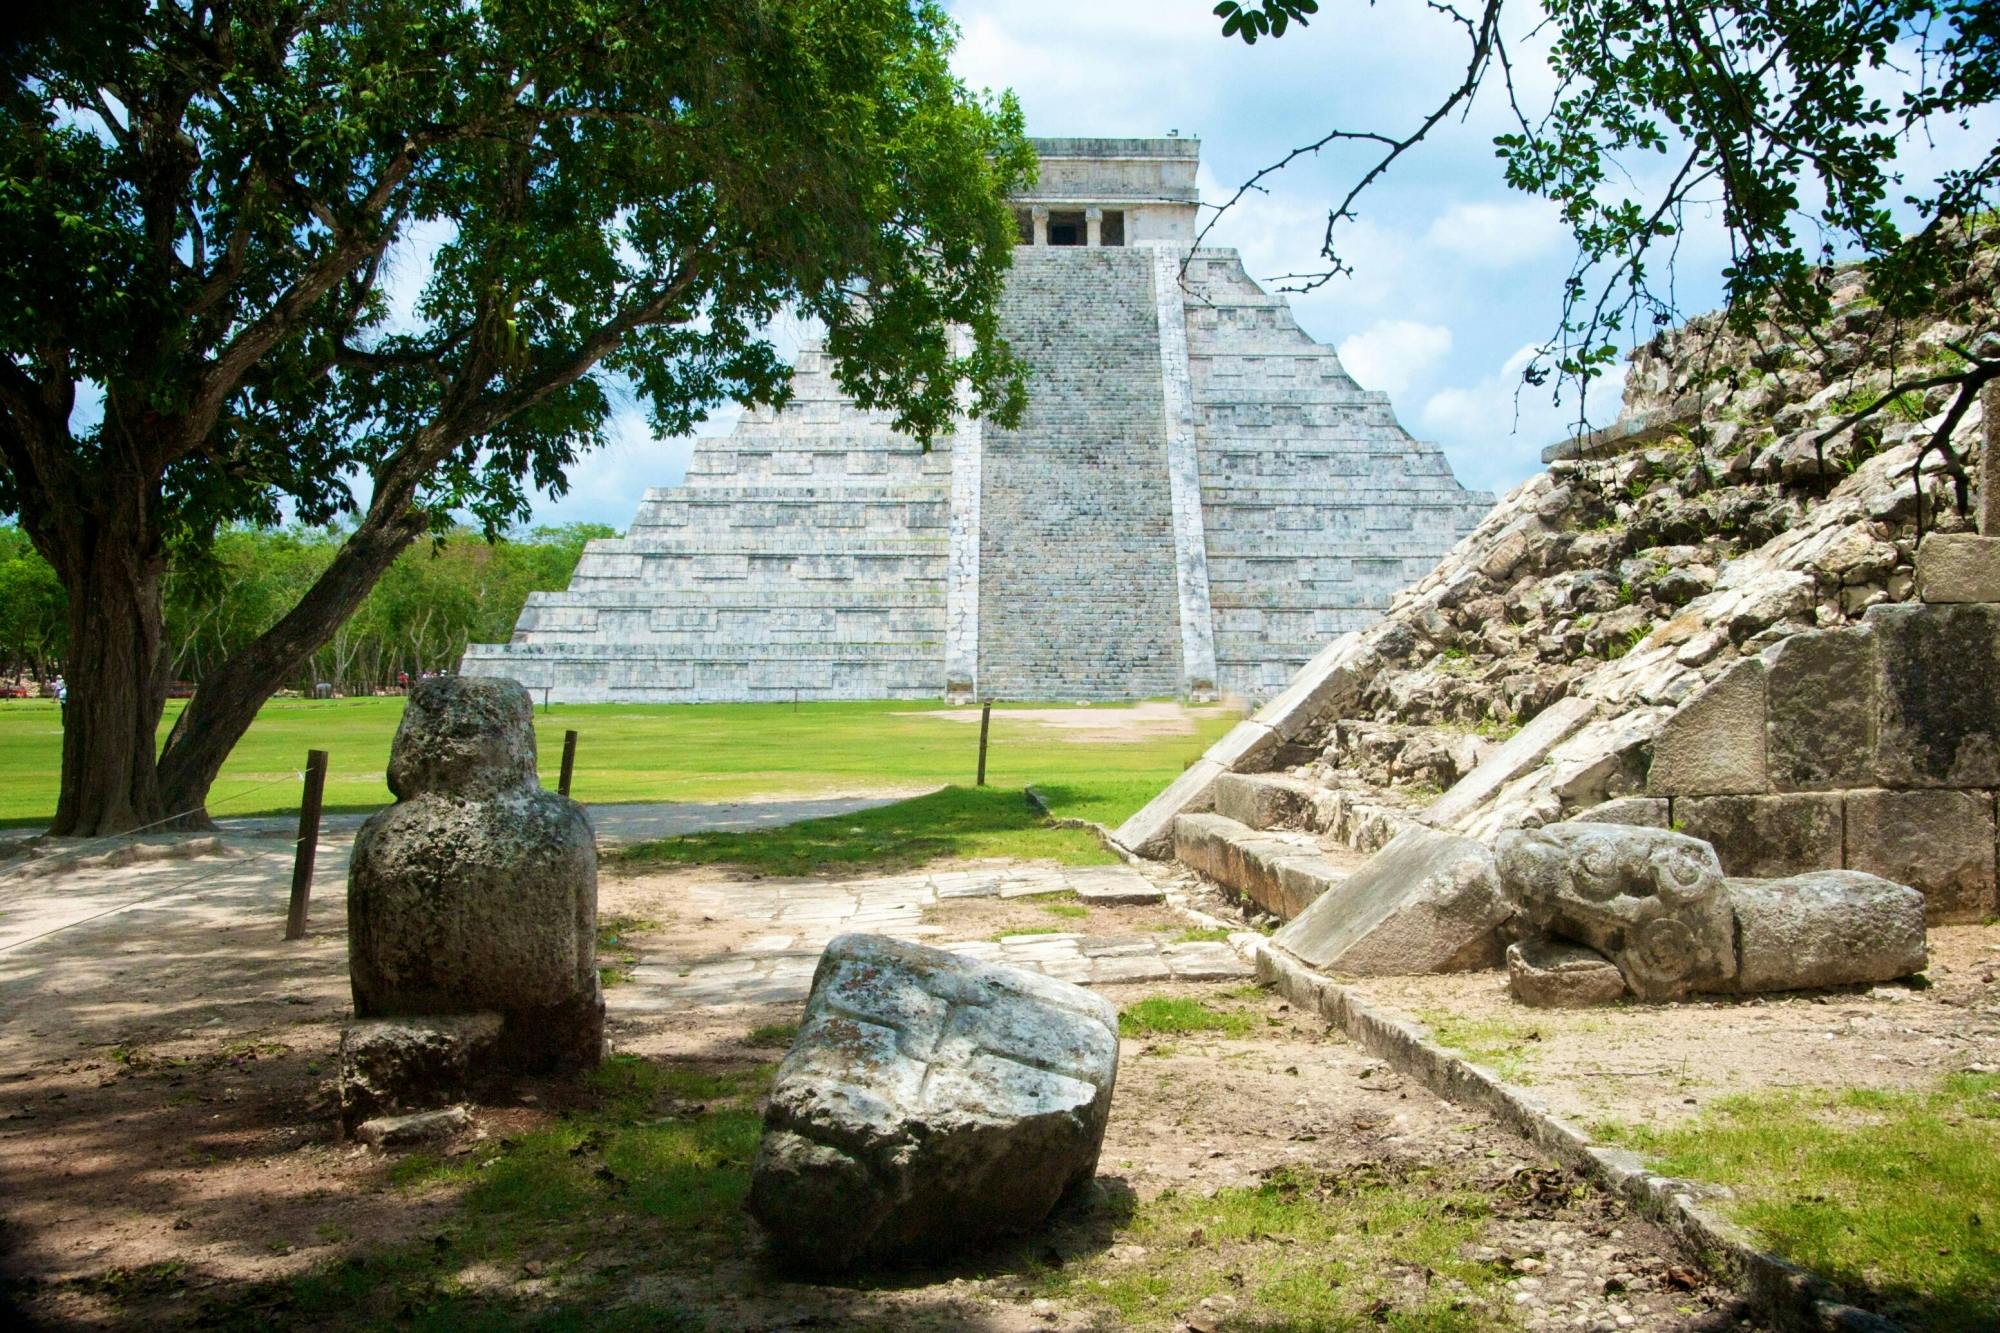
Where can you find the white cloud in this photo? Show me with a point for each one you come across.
(1392, 354)
(1494, 429)
(1499, 233)
(607, 485)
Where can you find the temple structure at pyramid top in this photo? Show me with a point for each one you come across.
(1197, 500)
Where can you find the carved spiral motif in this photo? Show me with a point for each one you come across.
(1595, 872)
(1678, 876)
(1667, 948)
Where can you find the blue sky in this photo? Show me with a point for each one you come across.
(1457, 276)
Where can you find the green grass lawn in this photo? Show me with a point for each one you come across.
(1889, 1194)
(957, 822)
(686, 752)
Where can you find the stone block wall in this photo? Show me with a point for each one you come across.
(805, 557)
(1875, 747)
(1077, 591)
(1318, 505)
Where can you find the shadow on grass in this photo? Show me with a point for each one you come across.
(952, 822)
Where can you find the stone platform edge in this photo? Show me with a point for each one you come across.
(1105, 837)
(1794, 1299)
(1333, 674)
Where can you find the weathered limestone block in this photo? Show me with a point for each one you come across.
(1646, 811)
(403, 1131)
(1606, 758)
(1940, 843)
(1264, 800)
(1649, 899)
(1427, 902)
(1302, 878)
(1959, 567)
(1715, 743)
(477, 891)
(1333, 676)
(1113, 886)
(392, 1066)
(1545, 973)
(1826, 928)
(929, 1102)
(1505, 550)
(464, 736)
(1245, 747)
(1937, 695)
(1771, 597)
(1259, 865)
(1360, 823)
(1150, 831)
(1766, 836)
(1821, 711)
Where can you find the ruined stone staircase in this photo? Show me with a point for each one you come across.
(1793, 666)
(1281, 841)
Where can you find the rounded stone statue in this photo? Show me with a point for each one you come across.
(477, 891)
(1651, 900)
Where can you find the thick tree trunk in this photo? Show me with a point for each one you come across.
(230, 694)
(117, 682)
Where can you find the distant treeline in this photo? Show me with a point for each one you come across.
(431, 603)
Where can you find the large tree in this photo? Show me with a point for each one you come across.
(203, 202)
(1789, 118)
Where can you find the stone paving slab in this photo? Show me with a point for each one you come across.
(656, 986)
(803, 915)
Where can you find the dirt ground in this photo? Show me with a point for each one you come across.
(1650, 1064)
(167, 1144)
(1208, 1114)
(1097, 725)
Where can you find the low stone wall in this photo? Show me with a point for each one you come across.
(1875, 747)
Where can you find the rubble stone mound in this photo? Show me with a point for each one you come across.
(1651, 900)
(929, 1102)
(477, 891)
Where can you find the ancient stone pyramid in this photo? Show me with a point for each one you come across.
(1198, 499)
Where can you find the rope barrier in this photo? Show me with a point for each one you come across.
(84, 848)
(181, 887)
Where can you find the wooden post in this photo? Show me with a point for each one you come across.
(569, 762)
(985, 721)
(307, 850)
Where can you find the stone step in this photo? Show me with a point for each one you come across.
(1281, 872)
(1346, 821)
(1266, 800)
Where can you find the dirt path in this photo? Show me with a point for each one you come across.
(1094, 726)
(1654, 1064)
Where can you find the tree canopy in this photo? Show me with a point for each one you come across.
(1786, 116)
(434, 600)
(204, 202)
